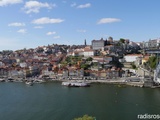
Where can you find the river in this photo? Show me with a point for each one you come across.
(52, 101)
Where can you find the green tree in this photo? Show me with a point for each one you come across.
(68, 59)
(89, 59)
(133, 66)
(85, 117)
(85, 66)
(152, 62)
(122, 40)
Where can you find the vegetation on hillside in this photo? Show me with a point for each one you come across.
(133, 65)
(152, 62)
(122, 40)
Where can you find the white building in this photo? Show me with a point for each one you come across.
(2, 64)
(131, 57)
(23, 64)
(88, 53)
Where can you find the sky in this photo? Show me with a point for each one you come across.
(33, 23)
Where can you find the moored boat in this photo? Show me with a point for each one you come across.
(29, 83)
(2, 80)
(76, 84)
(38, 81)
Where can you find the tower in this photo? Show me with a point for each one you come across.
(85, 43)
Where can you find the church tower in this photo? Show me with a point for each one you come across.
(85, 43)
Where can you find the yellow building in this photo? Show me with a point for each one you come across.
(145, 59)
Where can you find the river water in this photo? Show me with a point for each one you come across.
(52, 101)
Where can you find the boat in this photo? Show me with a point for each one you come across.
(29, 83)
(10, 79)
(2, 80)
(76, 84)
(38, 81)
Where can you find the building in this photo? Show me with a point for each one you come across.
(145, 59)
(131, 57)
(85, 43)
(98, 44)
(87, 51)
(151, 44)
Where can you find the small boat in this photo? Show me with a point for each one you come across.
(2, 80)
(10, 79)
(39, 81)
(29, 83)
(76, 84)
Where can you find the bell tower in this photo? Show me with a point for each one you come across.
(85, 43)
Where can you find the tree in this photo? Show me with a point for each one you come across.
(133, 65)
(56, 69)
(85, 66)
(89, 59)
(85, 117)
(122, 40)
(152, 62)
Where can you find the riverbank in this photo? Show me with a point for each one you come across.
(130, 81)
(120, 81)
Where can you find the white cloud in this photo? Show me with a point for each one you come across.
(22, 31)
(35, 6)
(38, 27)
(108, 20)
(87, 5)
(56, 37)
(46, 20)
(9, 2)
(81, 31)
(73, 4)
(50, 33)
(16, 24)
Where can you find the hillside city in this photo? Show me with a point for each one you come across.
(104, 59)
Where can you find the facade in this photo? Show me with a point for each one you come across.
(131, 57)
(138, 61)
(88, 53)
(151, 44)
(145, 59)
(23, 64)
(98, 44)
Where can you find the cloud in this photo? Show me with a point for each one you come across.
(38, 27)
(108, 20)
(87, 5)
(50, 33)
(81, 31)
(9, 2)
(73, 4)
(46, 20)
(16, 24)
(35, 6)
(56, 37)
(22, 31)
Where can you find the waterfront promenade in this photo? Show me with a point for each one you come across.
(131, 81)
(137, 82)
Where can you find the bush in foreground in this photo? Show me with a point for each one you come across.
(85, 117)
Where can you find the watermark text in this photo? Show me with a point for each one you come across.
(148, 116)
